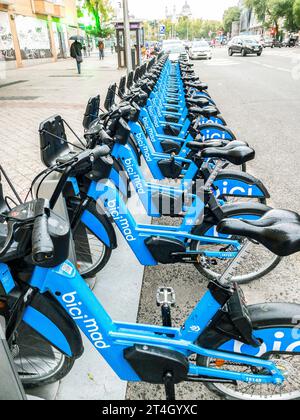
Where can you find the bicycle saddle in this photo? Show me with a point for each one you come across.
(237, 155)
(210, 111)
(199, 146)
(197, 85)
(277, 230)
(207, 112)
(198, 101)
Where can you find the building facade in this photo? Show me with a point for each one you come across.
(249, 24)
(174, 15)
(33, 31)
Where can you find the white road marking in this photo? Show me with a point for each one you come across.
(222, 62)
(283, 69)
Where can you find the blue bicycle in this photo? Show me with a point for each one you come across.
(93, 204)
(240, 352)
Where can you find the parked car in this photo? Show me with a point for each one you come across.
(244, 45)
(200, 49)
(269, 42)
(175, 49)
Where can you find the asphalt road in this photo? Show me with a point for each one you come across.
(260, 99)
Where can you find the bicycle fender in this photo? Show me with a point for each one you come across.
(272, 323)
(230, 210)
(215, 132)
(49, 319)
(239, 183)
(101, 226)
(120, 178)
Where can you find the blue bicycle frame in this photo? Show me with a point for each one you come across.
(111, 338)
(233, 186)
(136, 234)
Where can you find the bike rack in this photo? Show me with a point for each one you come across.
(10, 385)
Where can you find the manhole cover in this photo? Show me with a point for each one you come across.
(13, 83)
(18, 98)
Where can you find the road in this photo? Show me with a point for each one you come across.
(260, 99)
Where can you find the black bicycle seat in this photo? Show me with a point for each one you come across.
(210, 111)
(197, 146)
(197, 85)
(277, 230)
(198, 101)
(237, 155)
(207, 112)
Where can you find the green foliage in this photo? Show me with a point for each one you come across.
(272, 11)
(100, 10)
(184, 29)
(296, 12)
(260, 8)
(232, 14)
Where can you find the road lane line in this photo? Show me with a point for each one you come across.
(283, 69)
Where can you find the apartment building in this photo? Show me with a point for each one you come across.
(33, 31)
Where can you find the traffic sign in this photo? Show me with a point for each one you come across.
(162, 29)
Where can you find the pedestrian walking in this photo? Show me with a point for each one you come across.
(101, 47)
(76, 53)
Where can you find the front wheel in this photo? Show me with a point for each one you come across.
(92, 255)
(277, 331)
(244, 53)
(37, 362)
(258, 262)
(230, 52)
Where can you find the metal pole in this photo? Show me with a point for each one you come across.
(127, 41)
(10, 385)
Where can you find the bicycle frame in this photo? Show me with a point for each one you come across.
(111, 338)
(136, 234)
(229, 186)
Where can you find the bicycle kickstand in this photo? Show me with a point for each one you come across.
(166, 299)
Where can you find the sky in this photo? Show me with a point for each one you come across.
(155, 9)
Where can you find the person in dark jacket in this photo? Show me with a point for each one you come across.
(76, 53)
(101, 47)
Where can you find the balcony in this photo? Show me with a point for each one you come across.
(47, 7)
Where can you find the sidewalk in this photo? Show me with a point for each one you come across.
(30, 95)
(33, 95)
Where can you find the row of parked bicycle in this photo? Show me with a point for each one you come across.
(164, 123)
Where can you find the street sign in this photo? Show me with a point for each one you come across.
(162, 29)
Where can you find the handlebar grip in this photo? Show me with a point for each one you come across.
(42, 245)
(105, 138)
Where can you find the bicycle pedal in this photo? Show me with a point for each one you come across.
(165, 296)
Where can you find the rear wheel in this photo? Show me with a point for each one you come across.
(288, 363)
(258, 262)
(230, 52)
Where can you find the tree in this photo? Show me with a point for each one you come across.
(270, 12)
(232, 14)
(100, 10)
(296, 12)
(260, 8)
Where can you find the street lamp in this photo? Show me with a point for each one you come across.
(127, 42)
